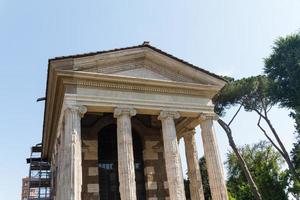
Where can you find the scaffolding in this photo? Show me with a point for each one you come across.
(39, 175)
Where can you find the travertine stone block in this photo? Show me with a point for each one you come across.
(173, 163)
(150, 155)
(93, 171)
(125, 153)
(196, 189)
(149, 170)
(151, 185)
(90, 149)
(213, 161)
(150, 144)
(153, 198)
(71, 166)
(93, 188)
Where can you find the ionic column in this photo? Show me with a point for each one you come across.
(72, 168)
(196, 188)
(125, 153)
(213, 160)
(173, 163)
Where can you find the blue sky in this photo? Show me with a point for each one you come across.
(226, 37)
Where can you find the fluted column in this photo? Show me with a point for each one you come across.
(213, 160)
(196, 188)
(125, 153)
(172, 157)
(71, 166)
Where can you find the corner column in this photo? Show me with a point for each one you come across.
(196, 188)
(125, 153)
(72, 168)
(213, 160)
(172, 158)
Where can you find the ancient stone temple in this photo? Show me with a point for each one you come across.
(113, 120)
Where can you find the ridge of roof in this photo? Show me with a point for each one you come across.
(145, 44)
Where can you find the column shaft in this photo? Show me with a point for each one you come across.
(172, 157)
(125, 154)
(71, 144)
(196, 188)
(213, 161)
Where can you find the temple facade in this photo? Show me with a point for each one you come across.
(113, 120)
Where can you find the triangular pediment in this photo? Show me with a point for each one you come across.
(140, 69)
(142, 73)
(142, 61)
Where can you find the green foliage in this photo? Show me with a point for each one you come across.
(250, 92)
(205, 183)
(283, 68)
(296, 155)
(204, 176)
(264, 164)
(295, 184)
(230, 197)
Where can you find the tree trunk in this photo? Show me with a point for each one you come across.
(241, 160)
(286, 154)
(282, 150)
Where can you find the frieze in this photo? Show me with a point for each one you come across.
(151, 89)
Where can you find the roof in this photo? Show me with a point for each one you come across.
(145, 44)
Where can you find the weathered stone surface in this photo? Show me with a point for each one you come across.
(71, 182)
(151, 185)
(172, 157)
(149, 170)
(196, 189)
(152, 198)
(90, 149)
(93, 188)
(154, 168)
(150, 155)
(125, 153)
(213, 161)
(93, 171)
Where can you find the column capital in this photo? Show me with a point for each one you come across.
(80, 109)
(168, 114)
(208, 116)
(124, 111)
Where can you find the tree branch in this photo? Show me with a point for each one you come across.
(240, 159)
(267, 136)
(235, 114)
(259, 114)
(269, 109)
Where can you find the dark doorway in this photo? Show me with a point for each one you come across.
(108, 164)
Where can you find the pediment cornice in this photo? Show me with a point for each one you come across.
(137, 58)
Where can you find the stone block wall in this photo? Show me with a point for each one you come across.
(90, 182)
(155, 175)
(155, 171)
